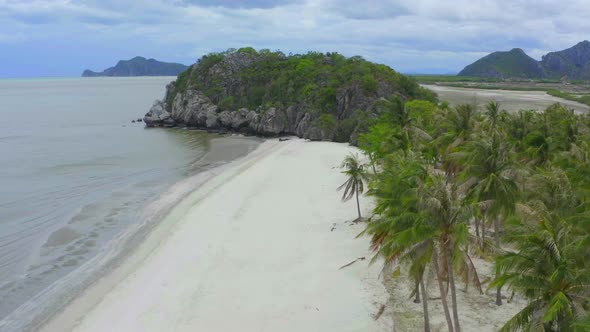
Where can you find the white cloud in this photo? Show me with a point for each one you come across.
(406, 34)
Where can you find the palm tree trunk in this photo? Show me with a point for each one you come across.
(453, 290)
(497, 231)
(443, 294)
(477, 228)
(425, 306)
(483, 234)
(358, 205)
(417, 298)
(372, 160)
(497, 239)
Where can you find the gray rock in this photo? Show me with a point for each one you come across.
(192, 107)
(212, 120)
(240, 119)
(252, 119)
(303, 126)
(157, 115)
(272, 122)
(314, 134)
(225, 119)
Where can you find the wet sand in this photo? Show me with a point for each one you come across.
(509, 100)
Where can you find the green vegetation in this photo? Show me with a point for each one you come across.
(571, 63)
(514, 63)
(354, 185)
(452, 185)
(313, 79)
(584, 99)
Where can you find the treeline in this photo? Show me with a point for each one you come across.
(451, 183)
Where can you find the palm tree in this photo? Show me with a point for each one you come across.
(394, 236)
(396, 113)
(421, 219)
(448, 214)
(354, 186)
(494, 189)
(493, 115)
(547, 269)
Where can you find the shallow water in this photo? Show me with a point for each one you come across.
(76, 174)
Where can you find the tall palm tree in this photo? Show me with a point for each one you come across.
(397, 213)
(492, 114)
(448, 214)
(354, 185)
(494, 189)
(546, 269)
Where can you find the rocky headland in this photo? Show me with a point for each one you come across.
(315, 96)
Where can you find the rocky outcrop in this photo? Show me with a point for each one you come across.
(193, 109)
(315, 96)
(158, 116)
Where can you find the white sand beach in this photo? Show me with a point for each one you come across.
(256, 248)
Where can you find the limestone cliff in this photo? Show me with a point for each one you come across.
(316, 96)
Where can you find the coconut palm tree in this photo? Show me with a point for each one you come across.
(493, 115)
(448, 214)
(396, 213)
(492, 173)
(421, 221)
(547, 269)
(354, 185)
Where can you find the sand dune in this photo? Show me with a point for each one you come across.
(257, 248)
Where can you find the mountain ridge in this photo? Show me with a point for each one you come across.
(139, 66)
(573, 63)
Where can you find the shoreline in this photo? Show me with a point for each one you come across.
(47, 304)
(163, 246)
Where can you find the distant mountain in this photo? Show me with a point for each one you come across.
(573, 62)
(514, 63)
(139, 66)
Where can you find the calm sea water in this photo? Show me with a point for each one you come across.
(76, 175)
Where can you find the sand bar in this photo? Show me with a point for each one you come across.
(509, 100)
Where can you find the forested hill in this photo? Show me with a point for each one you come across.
(314, 95)
(573, 63)
(514, 63)
(139, 66)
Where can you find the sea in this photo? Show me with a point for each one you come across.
(82, 182)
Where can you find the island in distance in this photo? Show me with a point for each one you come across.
(139, 66)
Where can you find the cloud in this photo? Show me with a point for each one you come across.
(409, 35)
(239, 3)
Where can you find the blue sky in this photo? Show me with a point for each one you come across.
(56, 38)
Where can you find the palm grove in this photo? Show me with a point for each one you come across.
(513, 188)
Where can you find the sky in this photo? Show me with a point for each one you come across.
(61, 38)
